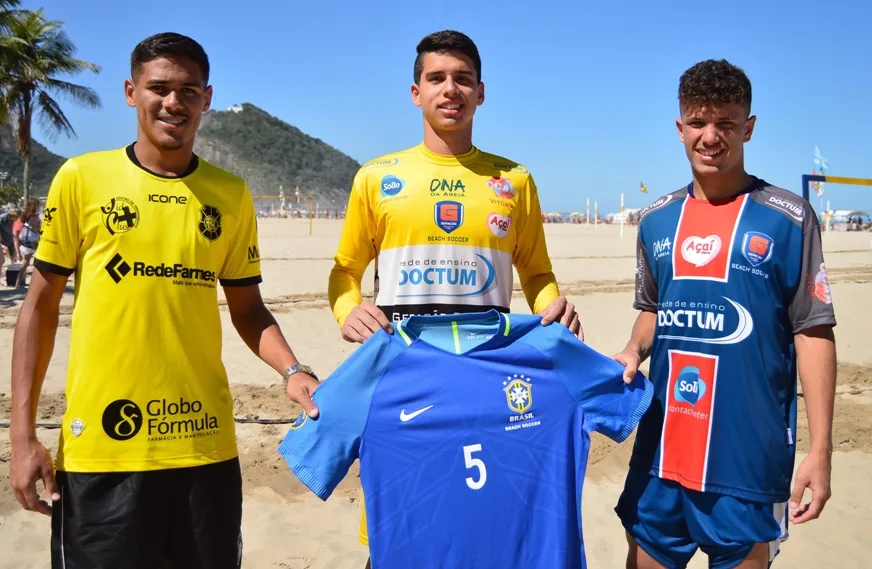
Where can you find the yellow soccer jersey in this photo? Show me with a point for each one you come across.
(146, 387)
(445, 232)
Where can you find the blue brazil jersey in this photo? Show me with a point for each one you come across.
(473, 434)
(731, 283)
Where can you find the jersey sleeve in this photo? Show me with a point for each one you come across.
(320, 451)
(242, 265)
(596, 383)
(58, 250)
(646, 281)
(355, 252)
(531, 252)
(812, 304)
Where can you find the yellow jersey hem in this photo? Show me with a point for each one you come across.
(108, 465)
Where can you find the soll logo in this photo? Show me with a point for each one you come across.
(448, 215)
(689, 387)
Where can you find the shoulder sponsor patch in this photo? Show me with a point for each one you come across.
(822, 286)
(655, 205)
(792, 208)
(381, 163)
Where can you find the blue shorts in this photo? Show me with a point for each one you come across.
(670, 522)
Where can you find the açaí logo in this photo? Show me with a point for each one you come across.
(700, 251)
(499, 224)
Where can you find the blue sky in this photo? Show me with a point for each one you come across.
(582, 93)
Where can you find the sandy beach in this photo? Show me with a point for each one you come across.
(284, 526)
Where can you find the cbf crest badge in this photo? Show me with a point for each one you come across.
(519, 393)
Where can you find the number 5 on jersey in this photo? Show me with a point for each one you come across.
(476, 463)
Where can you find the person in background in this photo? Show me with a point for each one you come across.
(7, 240)
(25, 232)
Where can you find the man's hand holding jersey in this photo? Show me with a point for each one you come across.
(363, 321)
(563, 311)
(259, 330)
(366, 319)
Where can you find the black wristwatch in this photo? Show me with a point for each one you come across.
(296, 368)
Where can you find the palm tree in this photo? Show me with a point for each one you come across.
(42, 53)
(8, 11)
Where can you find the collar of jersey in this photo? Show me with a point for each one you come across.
(755, 184)
(192, 165)
(406, 329)
(449, 159)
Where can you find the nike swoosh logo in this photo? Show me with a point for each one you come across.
(409, 416)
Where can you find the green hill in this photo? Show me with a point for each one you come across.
(43, 163)
(268, 152)
(251, 143)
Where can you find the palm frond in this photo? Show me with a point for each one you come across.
(84, 96)
(52, 118)
(36, 58)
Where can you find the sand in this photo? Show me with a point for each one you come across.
(287, 527)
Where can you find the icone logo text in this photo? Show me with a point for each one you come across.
(160, 198)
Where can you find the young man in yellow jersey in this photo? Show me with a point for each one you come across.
(445, 221)
(148, 473)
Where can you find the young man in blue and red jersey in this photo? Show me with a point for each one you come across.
(734, 300)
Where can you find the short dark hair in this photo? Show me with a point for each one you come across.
(168, 44)
(714, 82)
(440, 42)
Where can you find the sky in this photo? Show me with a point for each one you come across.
(582, 93)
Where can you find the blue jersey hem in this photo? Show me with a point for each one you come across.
(305, 474)
(640, 411)
(748, 495)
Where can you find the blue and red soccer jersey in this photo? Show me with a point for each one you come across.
(473, 434)
(731, 283)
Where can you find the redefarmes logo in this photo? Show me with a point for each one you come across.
(182, 275)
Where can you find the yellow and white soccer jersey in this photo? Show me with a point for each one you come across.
(445, 232)
(146, 388)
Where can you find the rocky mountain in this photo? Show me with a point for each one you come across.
(268, 153)
(264, 150)
(43, 163)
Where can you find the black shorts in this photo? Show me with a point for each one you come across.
(187, 518)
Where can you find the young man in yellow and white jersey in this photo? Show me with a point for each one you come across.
(444, 221)
(148, 473)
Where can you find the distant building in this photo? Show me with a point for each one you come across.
(235, 109)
